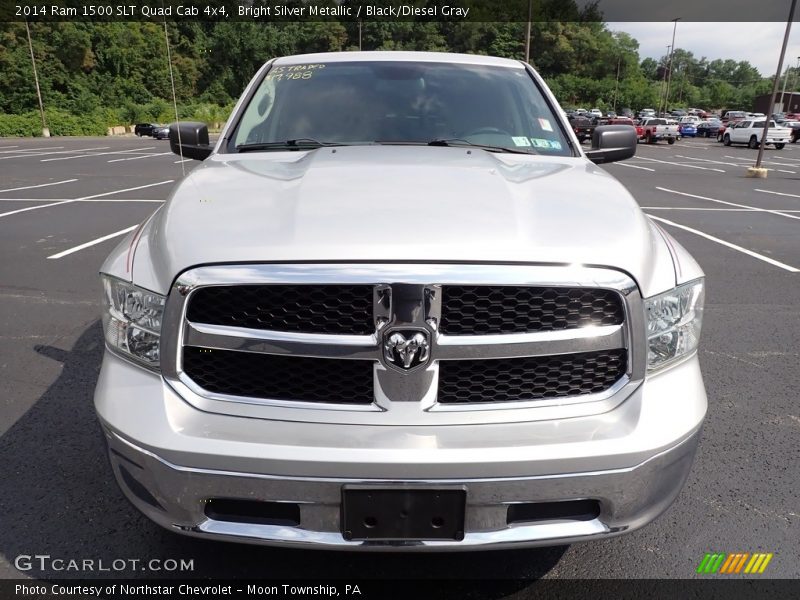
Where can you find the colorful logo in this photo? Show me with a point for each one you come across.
(734, 564)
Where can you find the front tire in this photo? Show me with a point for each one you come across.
(671, 141)
(726, 140)
(753, 143)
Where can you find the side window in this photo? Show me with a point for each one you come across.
(260, 107)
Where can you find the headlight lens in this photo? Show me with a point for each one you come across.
(132, 320)
(674, 319)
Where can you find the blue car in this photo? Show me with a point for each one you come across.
(687, 129)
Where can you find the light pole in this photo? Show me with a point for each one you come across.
(757, 170)
(45, 130)
(663, 84)
(616, 85)
(669, 71)
(528, 33)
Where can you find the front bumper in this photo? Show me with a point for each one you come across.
(170, 459)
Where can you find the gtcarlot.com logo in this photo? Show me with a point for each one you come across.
(45, 562)
(739, 563)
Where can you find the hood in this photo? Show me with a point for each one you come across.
(400, 203)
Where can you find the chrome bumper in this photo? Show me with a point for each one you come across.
(170, 459)
(175, 497)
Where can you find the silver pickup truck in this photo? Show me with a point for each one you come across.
(398, 307)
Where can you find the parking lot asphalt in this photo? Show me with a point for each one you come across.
(65, 202)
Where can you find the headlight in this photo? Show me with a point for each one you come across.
(674, 319)
(132, 320)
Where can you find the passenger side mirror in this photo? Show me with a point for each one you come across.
(189, 139)
(611, 143)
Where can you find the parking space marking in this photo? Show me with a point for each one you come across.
(697, 208)
(777, 193)
(95, 154)
(140, 187)
(51, 200)
(30, 187)
(756, 208)
(183, 160)
(138, 157)
(28, 149)
(34, 154)
(771, 162)
(718, 162)
(622, 164)
(666, 162)
(93, 242)
(766, 259)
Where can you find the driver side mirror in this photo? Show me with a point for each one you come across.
(611, 143)
(189, 139)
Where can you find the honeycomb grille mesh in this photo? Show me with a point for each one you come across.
(280, 377)
(332, 309)
(483, 310)
(529, 378)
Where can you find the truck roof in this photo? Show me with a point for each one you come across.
(356, 56)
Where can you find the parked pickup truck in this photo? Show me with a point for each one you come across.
(749, 132)
(582, 126)
(398, 307)
(654, 130)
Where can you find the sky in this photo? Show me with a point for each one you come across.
(757, 43)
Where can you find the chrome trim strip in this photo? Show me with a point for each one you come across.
(515, 345)
(279, 342)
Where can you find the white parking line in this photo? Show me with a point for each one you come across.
(770, 162)
(58, 200)
(789, 210)
(93, 154)
(622, 164)
(666, 162)
(93, 242)
(777, 193)
(34, 154)
(183, 160)
(718, 162)
(766, 259)
(774, 212)
(138, 157)
(140, 187)
(28, 149)
(30, 187)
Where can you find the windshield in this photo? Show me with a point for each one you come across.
(400, 102)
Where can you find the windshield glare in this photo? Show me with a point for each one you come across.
(401, 102)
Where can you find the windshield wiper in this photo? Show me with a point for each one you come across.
(488, 148)
(454, 142)
(297, 144)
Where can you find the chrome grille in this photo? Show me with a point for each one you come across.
(280, 377)
(566, 348)
(530, 378)
(301, 308)
(484, 310)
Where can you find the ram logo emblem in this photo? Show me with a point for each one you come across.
(406, 349)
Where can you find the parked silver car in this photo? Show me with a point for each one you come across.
(399, 308)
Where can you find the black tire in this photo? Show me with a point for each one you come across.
(753, 143)
(581, 138)
(779, 146)
(671, 141)
(648, 138)
(726, 140)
